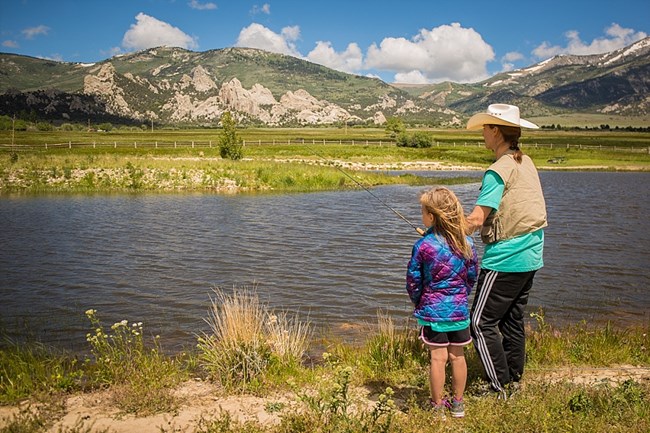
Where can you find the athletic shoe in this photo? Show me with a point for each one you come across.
(457, 408)
(440, 410)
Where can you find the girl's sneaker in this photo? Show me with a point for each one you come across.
(457, 408)
(440, 410)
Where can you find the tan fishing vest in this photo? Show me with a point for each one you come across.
(522, 209)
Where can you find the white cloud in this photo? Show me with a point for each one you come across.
(350, 60)
(258, 36)
(412, 77)
(448, 52)
(264, 9)
(508, 59)
(195, 4)
(10, 44)
(615, 37)
(111, 52)
(150, 32)
(32, 32)
(512, 56)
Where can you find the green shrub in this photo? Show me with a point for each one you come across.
(418, 139)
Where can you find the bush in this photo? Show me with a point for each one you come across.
(418, 139)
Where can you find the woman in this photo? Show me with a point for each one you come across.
(511, 213)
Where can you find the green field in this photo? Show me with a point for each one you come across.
(300, 159)
(593, 120)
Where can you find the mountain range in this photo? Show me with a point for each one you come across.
(180, 87)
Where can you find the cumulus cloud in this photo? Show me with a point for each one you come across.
(258, 36)
(412, 77)
(448, 52)
(10, 44)
(264, 9)
(615, 37)
(32, 32)
(114, 51)
(150, 32)
(195, 4)
(508, 59)
(350, 60)
(512, 56)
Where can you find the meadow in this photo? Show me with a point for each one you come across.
(300, 159)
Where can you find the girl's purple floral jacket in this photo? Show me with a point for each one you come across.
(439, 281)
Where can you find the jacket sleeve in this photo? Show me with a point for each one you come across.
(472, 271)
(414, 275)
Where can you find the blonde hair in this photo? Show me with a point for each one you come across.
(449, 218)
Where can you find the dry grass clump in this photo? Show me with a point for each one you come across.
(247, 338)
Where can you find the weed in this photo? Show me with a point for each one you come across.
(141, 378)
(32, 369)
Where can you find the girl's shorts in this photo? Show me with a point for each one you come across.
(443, 339)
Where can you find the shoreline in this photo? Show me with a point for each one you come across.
(258, 175)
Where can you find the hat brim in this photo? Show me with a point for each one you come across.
(477, 121)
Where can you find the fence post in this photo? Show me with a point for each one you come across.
(69, 144)
(46, 148)
(135, 144)
(174, 145)
(210, 143)
(93, 145)
(156, 145)
(115, 144)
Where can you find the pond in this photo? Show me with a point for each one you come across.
(334, 258)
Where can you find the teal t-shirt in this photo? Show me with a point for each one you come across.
(522, 253)
(445, 326)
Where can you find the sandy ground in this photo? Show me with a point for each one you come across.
(202, 400)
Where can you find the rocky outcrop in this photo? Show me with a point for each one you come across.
(103, 84)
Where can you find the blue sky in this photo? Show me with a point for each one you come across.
(397, 41)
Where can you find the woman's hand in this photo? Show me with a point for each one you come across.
(478, 216)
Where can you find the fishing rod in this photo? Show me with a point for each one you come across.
(417, 229)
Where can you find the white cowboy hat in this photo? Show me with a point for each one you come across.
(499, 114)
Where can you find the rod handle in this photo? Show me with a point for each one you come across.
(420, 231)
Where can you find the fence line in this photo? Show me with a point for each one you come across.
(212, 143)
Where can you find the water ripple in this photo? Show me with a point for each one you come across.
(334, 257)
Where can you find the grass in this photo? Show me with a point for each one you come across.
(290, 167)
(379, 385)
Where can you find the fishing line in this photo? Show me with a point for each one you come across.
(417, 229)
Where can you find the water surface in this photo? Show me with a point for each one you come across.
(335, 258)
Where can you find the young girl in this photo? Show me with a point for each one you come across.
(441, 273)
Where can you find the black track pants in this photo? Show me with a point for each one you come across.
(497, 324)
